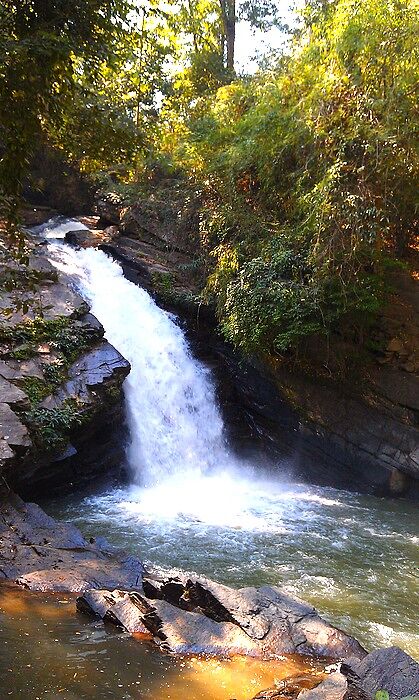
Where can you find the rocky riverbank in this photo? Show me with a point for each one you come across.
(189, 615)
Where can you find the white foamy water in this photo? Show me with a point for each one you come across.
(55, 229)
(175, 426)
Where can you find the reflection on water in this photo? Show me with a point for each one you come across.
(354, 557)
(49, 651)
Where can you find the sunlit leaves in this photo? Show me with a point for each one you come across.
(319, 156)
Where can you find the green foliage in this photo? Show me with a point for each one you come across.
(163, 283)
(54, 373)
(52, 426)
(42, 43)
(382, 695)
(62, 334)
(70, 340)
(308, 170)
(310, 173)
(36, 389)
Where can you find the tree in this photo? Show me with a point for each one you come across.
(310, 172)
(228, 14)
(42, 45)
(211, 26)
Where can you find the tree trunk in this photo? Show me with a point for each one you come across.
(228, 13)
(140, 68)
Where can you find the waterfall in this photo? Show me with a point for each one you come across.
(174, 422)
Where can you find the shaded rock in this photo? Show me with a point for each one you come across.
(109, 209)
(398, 482)
(43, 555)
(167, 218)
(11, 394)
(12, 430)
(55, 183)
(395, 345)
(86, 395)
(18, 369)
(388, 669)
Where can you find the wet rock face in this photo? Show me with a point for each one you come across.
(204, 617)
(44, 555)
(92, 238)
(361, 435)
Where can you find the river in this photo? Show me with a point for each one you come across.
(193, 506)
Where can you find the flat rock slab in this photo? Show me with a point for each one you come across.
(203, 617)
(44, 555)
(11, 394)
(12, 431)
(56, 299)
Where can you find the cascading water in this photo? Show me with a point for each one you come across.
(174, 422)
(193, 506)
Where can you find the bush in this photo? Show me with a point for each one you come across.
(52, 426)
(309, 171)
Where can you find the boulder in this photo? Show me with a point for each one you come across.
(291, 687)
(44, 555)
(203, 617)
(94, 369)
(109, 209)
(55, 299)
(91, 238)
(388, 669)
(11, 394)
(118, 607)
(334, 687)
(13, 434)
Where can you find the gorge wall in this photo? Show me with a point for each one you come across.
(323, 420)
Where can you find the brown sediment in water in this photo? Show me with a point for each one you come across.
(241, 677)
(51, 651)
(17, 601)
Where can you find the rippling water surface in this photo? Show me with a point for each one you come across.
(354, 557)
